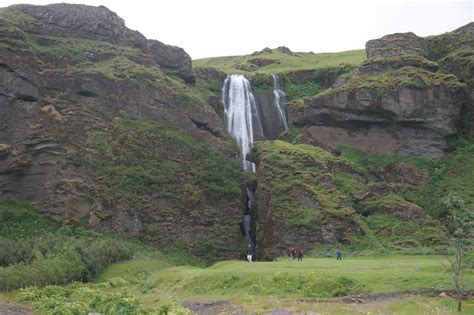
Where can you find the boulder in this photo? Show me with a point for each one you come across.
(397, 44)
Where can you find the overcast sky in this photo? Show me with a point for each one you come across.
(207, 28)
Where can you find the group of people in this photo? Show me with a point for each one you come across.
(295, 253)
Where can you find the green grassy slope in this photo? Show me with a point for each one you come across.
(282, 61)
(149, 286)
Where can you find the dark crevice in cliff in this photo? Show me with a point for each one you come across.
(86, 93)
(26, 98)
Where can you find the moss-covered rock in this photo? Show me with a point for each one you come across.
(374, 65)
(308, 197)
(422, 106)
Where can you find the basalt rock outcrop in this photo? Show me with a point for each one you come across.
(95, 132)
(99, 23)
(396, 102)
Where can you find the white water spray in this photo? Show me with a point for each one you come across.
(280, 103)
(241, 115)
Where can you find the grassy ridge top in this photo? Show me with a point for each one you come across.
(278, 60)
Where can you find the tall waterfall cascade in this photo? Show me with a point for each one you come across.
(241, 115)
(245, 119)
(280, 101)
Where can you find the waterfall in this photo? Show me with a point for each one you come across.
(280, 102)
(247, 223)
(241, 115)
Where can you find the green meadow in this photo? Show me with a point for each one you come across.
(156, 285)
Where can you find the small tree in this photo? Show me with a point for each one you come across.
(461, 239)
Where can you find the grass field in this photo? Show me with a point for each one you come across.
(282, 62)
(314, 284)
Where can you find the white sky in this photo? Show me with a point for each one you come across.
(206, 28)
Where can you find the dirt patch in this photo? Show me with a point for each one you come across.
(282, 311)
(213, 307)
(13, 309)
(226, 307)
(368, 298)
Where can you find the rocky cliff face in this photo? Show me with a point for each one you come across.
(99, 23)
(95, 132)
(396, 102)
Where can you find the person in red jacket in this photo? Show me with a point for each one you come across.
(300, 254)
(291, 252)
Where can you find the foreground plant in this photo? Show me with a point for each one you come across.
(461, 239)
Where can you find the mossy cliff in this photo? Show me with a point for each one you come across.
(104, 128)
(308, 197)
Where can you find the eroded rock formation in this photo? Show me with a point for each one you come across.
(396, 102)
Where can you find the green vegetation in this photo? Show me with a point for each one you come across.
(460, 62)
(405, 60)
(411, 77)
(452, 174)
(311, 188)
(282, 61)
(150, 286)
(140, 160)
(371, 162)
(39, 251)
(300, 88)
(280, 161)
(462, 241)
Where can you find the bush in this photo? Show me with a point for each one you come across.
(53, 254)
(117, 304)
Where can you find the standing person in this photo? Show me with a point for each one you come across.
(295, 253)
(249, 253)
(291, 251)
(300, 254)
(338, 254)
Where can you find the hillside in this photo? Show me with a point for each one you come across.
(123, 134)
(102, 129)
(279, 60)
(116, 147)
